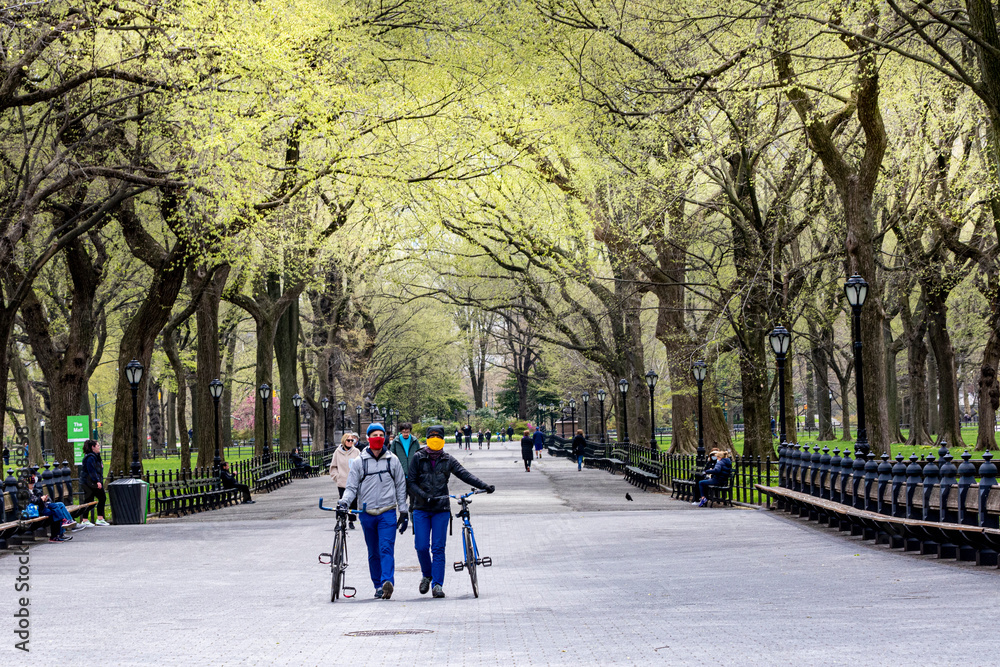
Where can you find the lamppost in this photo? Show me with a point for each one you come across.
(586, 415)
(133, 373)
(600, 399)
(780, 340)
(215, 389)
(326, 432)
(562, 419)
(297, 402)
(41, 423)
(342, 406)
(700, 370)
(651, 378)
(572, 415)
(623, 388)
(359, 410)
(265, 397)
(857, 291)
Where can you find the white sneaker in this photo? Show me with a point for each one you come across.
(101, 522)
(86, 524)
(79, 527)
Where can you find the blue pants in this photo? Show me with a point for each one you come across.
(705, 483)
(430, 532)
(59, 510)
(380, 536)
(579, 462)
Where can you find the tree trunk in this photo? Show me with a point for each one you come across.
(989, 390)
(756, 397)
(950, 425)
(178, 399)
(154, 416)
(892, 384)
(824, 393)
(846, 411)
(208, 354)
(916, 364)
(933, 409)
(807, 373)
(226, 408)
(286, 345)
(171, 423)
(791, 423)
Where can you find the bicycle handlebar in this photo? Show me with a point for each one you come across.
(470, 493)
(334, 509)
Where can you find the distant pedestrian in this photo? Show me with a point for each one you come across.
(510, 433)
(479, 437)
(579, 445)
(458, 437)
(527, 447)
(6, 456)
(467, 432)
(489, 435)
(539, 439)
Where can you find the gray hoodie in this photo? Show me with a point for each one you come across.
(382, 483)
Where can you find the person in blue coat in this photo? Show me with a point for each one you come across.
(717, 475)
(539, 438)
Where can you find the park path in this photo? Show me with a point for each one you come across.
(581, 577)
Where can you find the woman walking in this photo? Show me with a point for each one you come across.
(340, 466)
(579, 445)
(527, 450)
(92, 480)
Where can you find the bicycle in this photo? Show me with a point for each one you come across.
(338, 554)
(470, 549)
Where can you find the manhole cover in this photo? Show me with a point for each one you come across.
(385, 633)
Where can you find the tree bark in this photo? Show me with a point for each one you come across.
(950, 425)
(286, 345)
(208, 354)
(933, 407)
(155, 418)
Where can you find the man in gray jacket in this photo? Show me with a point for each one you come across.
(377, 480)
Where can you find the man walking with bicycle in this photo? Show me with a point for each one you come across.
(427, 482)
(377, 480)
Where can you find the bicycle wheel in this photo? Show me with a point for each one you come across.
(470, 562)
(336, 561)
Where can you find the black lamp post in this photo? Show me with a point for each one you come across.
(133, 373)
(41, 423)
(623, 388)
(359, 410)
(326, 431)
(651, 378)
(700, 371)
(572, 416)
(586, 414)
(215, 388)
(780, 340)
(342, 406)
(857, 291)
(297, 402)
(265, 397)
(562, 419)
(600, 399)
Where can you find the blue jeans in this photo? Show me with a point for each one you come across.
(430, 532)
(59, 510)
(579, 462)
(380, 536)
(705, 483)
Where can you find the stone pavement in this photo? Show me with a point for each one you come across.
(581, 577)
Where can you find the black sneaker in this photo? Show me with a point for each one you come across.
(425, 585)
(386, 590)
(378, 593)
(438, 591)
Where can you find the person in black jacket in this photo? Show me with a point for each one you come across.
(467, 431)
(527, 450)
(427, 483)
(92, 481)
(229, 482)
(579, 445)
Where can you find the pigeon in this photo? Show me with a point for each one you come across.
(628, 497)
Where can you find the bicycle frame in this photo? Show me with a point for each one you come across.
(467, 525)
(341, 531)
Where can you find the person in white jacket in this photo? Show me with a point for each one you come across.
(377, 481)
(340, 466)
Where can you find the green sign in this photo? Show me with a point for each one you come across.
(77, 431)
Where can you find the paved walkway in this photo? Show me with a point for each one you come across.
(581, 576)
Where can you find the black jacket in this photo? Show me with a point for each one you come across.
(467, 430)
(527, 447)
(93, 470)
(228, 479)
(579, 444)
(428, 480)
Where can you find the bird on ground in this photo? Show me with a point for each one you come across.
(628, 497)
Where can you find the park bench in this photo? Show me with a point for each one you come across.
(683, 489)
(593, 455)
(618, 460)
(267, 477)
(12, 532)
(186, 496)
(944, 540)
(647, 473)
(721, 493)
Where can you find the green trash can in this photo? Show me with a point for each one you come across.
(129, 501)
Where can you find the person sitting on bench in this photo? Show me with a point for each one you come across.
(229, 482)
(297, 460)
(60, 517)
(718, 475)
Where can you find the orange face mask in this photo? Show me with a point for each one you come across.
(436, 444)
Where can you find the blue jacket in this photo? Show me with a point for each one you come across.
(539, 439)
(721, 471)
